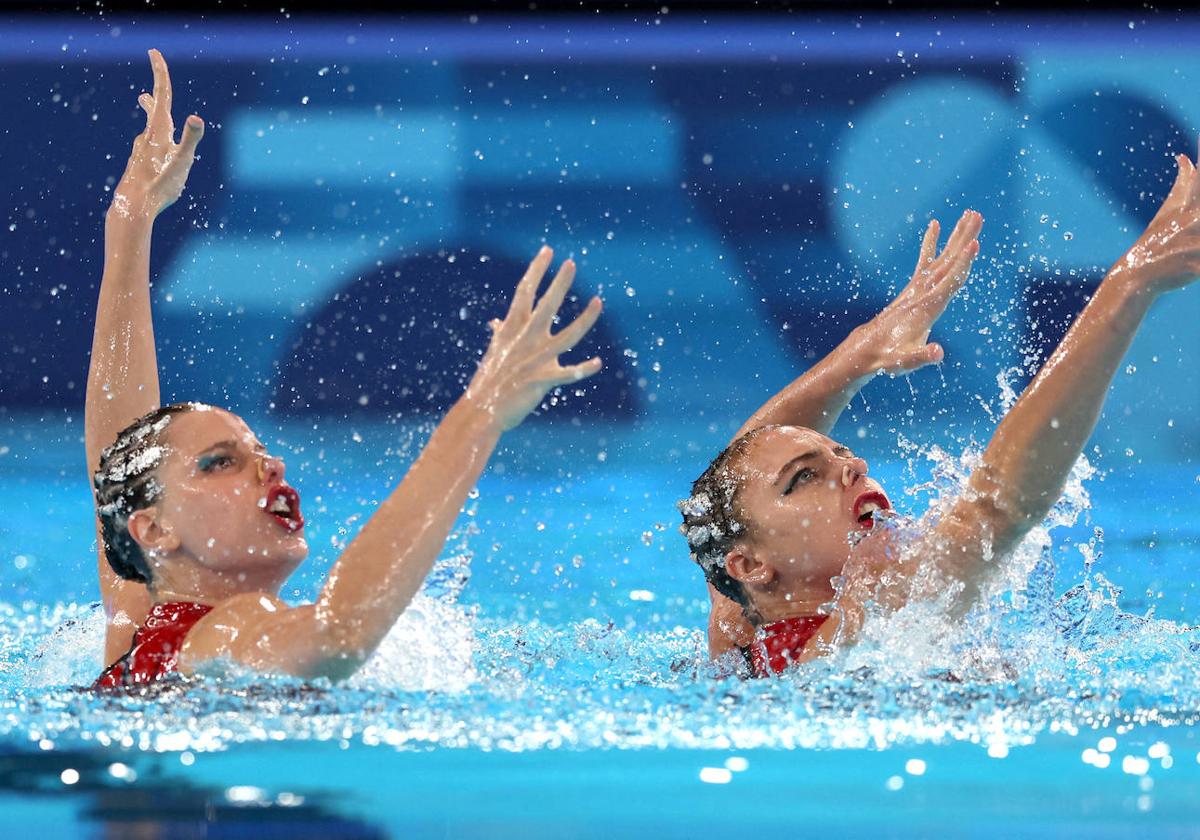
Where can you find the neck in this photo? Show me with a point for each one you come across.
(179, 577)
(780, 604)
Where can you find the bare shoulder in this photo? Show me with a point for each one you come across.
(230, 622)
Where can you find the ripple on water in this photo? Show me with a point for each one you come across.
(1031, 660)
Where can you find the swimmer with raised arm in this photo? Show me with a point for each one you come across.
(198, 527)
(895, 341)
(784, 510)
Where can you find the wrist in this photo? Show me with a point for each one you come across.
(860, 355)
(1125, 293)
(476, 414)
(121, 216)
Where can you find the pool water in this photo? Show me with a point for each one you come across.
(552, 679)
(770, 173)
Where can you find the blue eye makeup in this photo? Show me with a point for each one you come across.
(207, 462)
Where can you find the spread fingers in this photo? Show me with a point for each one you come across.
(964, 231)
(161, 118)
(569, 336)
(548, 306)
(522, 302)
(962, 266)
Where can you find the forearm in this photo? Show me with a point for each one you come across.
(123, 372)
(1032, 452)
(818, 397)
(380, 571)
(1023, 470)
(894, 340)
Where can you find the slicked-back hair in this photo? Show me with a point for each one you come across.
(126, 482)
(710, 521)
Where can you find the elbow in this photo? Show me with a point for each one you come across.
(1013, 497)
(1005, 514)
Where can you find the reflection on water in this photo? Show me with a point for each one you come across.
(134, 799)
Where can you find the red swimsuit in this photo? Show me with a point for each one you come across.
(779, 644)
(155, 645)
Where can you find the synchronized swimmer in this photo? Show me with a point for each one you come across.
(784, 511)
(198, 527)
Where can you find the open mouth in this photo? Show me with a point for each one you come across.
(867, 505)
(282, 503)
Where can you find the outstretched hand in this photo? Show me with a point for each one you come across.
(158, 167)
(521, 363)
(897, 336)
(1167, 254)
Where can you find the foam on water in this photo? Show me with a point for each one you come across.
(448, 678)
(1050, 650)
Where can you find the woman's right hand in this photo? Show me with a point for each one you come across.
(521, 363)
(895, 339)
(158, 167)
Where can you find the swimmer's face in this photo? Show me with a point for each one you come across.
(218, 483)
(802, 496)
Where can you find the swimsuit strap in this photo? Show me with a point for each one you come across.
(779, 644)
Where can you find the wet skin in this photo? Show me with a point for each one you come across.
(798, 498)
(212, 516)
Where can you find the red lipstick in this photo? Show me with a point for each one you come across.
(866, 505)
(283, 505)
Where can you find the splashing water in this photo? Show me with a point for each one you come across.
(1049, 651)
(1026, 662)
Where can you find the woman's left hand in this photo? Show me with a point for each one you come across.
(1167, 254)
(895, 339)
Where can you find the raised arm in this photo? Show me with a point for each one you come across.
(380, 571)
(892, 341)
(1031, 453)
(123, 373)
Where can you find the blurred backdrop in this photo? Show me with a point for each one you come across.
(742, 192)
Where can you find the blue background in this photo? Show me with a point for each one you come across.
(741, 192)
